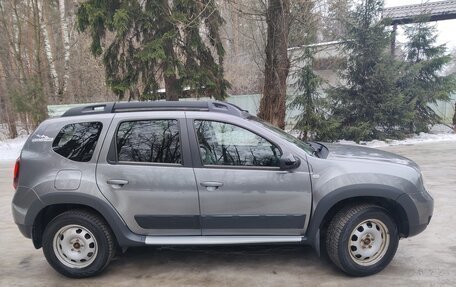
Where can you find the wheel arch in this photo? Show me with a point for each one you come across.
(334, 201)
(53, 204)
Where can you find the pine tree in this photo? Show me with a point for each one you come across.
(156, 42)
(369, 104)
(423, 82)
(306, 98)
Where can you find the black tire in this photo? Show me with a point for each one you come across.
(91, 224)
(343, 244)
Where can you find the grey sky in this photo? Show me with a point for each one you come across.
(447, 28)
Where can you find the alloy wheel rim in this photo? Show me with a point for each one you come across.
(75, 246)
(369, 242)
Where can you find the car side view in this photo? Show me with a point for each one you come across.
(105, 177)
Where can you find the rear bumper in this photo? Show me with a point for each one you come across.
(419, 208)
(23, 201)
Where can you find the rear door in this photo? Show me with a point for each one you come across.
(145, 172)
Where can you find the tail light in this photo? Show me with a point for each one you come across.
(16, 173)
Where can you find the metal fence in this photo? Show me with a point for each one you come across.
(251, 103)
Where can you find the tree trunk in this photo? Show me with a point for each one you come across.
(39, 100)
(272, 104)
(172, 87)
(454, 118)
(5, 103)
(66, 49)
(48, 51)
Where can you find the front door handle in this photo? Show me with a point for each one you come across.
(117, 183)
(211, 185)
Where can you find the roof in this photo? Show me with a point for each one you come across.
(435, 11)
(123, 107)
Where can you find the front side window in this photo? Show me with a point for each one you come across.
(77, 141)
(226, 144)
(149, 141)
(286, 136)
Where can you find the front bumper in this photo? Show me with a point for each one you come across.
(419, 208)
(26, 230)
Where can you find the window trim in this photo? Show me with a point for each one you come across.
(75, 123)
(112, 152)
(218, 166)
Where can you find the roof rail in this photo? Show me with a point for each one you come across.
(90, 109)
(123, 107)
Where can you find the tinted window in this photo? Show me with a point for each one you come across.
(149, 141)
(77, 141)
(226, 144)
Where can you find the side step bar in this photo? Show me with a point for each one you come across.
(220, 240)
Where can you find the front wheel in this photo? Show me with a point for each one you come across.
(78, 244)
(362, 240)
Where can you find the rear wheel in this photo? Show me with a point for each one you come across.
(78, 244)
(362, 239)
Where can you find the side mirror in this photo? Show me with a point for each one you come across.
(289, 162)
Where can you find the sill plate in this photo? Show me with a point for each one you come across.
(220, 240)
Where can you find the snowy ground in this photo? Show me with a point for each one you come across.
(417, 139)
(11, 148)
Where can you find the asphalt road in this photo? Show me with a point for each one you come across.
(428, 259)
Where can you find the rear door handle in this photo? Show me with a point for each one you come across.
(211, 185)
(117, 183)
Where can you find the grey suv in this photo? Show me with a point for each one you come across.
(102, 178)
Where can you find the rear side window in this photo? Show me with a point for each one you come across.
(149, 141)
(78, 141)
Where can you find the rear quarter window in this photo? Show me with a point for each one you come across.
(77, 141)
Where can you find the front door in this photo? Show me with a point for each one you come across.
(146, 174)
(241, 188)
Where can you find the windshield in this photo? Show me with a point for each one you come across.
(299, 143)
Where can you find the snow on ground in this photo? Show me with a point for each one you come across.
(11, 148)
(416, 139)
(438, 133)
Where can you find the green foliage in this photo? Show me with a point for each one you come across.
(156, 42)
(423, 82)
(370, 105)
(384, 97)
(30, 100)
(313, 121)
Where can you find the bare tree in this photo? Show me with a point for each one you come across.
(66, 48)
(48, 50)
(272, 104)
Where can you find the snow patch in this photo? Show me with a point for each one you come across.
(10, 149)
(416, 139)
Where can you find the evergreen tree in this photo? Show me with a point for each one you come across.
(369, 104)
(423, 82)
(313, 121)
(157, 42)
(306, 98)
